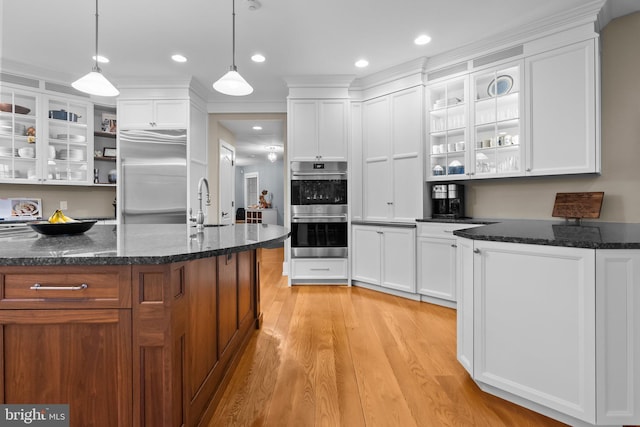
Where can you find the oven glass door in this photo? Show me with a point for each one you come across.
(319, 192)
(319, 239)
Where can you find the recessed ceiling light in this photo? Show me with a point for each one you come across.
(422, 40)
(101, 59)
(258, 58)
(361, 63)
(178, 58)
(257, 128)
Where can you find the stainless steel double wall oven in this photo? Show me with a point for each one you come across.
(319, 209)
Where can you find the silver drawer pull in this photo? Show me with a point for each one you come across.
(320, 269)
(38, 286)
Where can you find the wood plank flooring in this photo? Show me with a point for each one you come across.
(338, 356)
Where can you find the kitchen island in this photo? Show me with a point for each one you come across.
(549, 317)
(131, 325)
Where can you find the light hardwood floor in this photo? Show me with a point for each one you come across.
(338, 356)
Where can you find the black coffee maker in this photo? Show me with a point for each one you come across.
(447, 201)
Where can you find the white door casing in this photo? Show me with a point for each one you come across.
(226, 180)
(251, 185)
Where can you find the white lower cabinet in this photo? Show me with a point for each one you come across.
(555, 329)
(437, 261)
(618, 336)
(384, 256)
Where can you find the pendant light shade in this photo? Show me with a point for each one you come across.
(232, 82)
(95, 83)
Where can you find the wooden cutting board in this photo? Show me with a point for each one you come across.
(578, 205)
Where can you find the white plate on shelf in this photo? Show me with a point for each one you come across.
(71, 138)
(501, 85)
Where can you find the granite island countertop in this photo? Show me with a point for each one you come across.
(590, 235)
(138, 244)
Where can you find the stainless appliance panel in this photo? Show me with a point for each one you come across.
(318, 170)
(153, 176)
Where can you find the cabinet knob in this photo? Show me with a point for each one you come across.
(454, 245)
(476, 251)
(528, 169)
(389, 203)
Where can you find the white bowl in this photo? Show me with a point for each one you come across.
(28, 152)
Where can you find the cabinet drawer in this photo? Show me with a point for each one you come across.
(319, 269)
(65, 287)
(442, 229)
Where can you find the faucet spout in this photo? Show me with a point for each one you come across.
(200, 214)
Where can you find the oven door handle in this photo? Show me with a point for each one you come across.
(319, 175)
(319, 218)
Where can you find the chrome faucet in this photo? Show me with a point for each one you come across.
(199, 218)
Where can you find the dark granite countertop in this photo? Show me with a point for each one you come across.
(591, 235)
(137, 244)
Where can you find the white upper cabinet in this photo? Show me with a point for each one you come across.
(153, 114)
(19, 153)
(392, 161)
(318, 129)
(562, 120)
(69, 142)
(447, 140)
(496, 122)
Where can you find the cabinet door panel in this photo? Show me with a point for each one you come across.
(227, 292)
(562, 112)
(303, 129)
(376, 128)
(398, 259)
(171, 113)
(406, 112)
(377, 191)
(534, 318)
(366, 254)
(332, 130)
(464, 304)
(135, 114)
(437, 263)
(70, 347)
(407, 188)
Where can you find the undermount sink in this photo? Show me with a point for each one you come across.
(16, 231)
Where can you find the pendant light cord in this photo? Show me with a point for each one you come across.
(96, 68)
(233, 36)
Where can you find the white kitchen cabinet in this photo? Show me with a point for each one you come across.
(618, 336)
(562, 112)
(437, 261)
(534, 324)
(356, 181)
(384, 256)
(153, 114)
(318, 129)
(497, 141)
(392, 159)
(448, 124)
(19, 154)
(69, 142)
(464, 303)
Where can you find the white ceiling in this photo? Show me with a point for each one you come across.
(55, 39)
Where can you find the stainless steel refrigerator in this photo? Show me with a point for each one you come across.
(152, 181)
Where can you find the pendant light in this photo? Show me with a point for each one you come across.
(95, 83)
(232, 83)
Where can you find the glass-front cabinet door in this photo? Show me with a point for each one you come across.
(497, 125)
(448, 119)
(18, 133)
(69, 147)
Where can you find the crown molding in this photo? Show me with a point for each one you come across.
(397, 72)
(320, 81)
(583, 14)
(274, 106)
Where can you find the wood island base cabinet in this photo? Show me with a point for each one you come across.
(141, 345)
